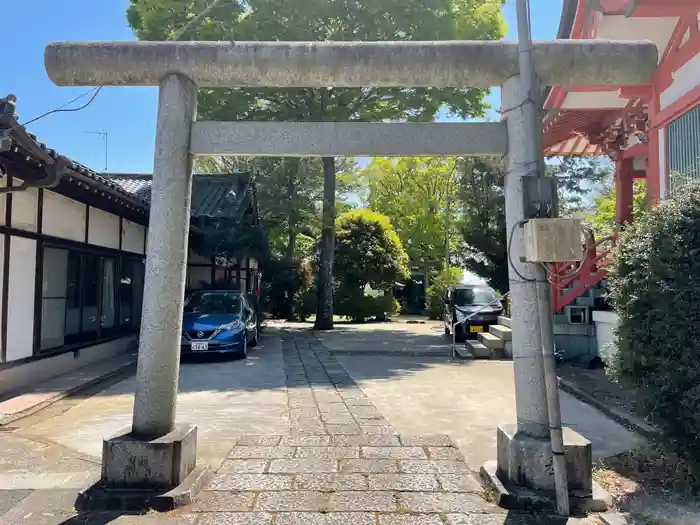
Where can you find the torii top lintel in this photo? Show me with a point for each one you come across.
(454, 64)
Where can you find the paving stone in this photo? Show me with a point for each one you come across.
(328, 452)
(410, 519)
(444, 502)
(300, 413)
(261, 441)
(243, 466)
(296, 383)
(261, 452)
(330, 482)
(403, 482)
(43, 507)
(369, 440)
(383, 430)
(148, 519)
(393, 452)
(369, 466)
(416, 466)
(236, 518)
(512, 519)
(445, 453)
(342, 429)
(362, 501)
(365, 412)
(10, 498)
(438, 440)
(250, 482)
(308, 427)
(357, 401)
(294, 500)
(306, 441)
(303, 466)
(331, 518)
(338, 418)
(333, 408)
(222, 501)
(379, 422)
(460, 483)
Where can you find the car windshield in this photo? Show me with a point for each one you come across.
(474, 296)
(213, 303)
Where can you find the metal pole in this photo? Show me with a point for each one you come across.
(534, 145)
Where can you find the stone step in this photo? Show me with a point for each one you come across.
(504, 321)
(465, 352)
(491, 341)
(501, 331)
(478, 350)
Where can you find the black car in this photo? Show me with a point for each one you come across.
(479, 303)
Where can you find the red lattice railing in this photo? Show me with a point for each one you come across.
(571, 280)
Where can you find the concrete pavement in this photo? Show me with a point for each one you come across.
(298, 435)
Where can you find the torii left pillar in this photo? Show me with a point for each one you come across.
(155, 453)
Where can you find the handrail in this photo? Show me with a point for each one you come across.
(453, 324)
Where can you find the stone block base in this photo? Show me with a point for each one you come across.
(139, 473)
(523, 475)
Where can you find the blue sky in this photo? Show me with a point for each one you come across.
(127, 115)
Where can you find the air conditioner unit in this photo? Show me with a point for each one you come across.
(577, 314)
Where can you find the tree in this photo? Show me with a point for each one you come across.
(483, 220)
(603, 216)
(412, 192)
(367, 252)
(577, 179)
(326, 20)
(482, 199)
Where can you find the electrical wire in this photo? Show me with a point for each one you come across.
(96, 90)
(510, 255)
(61, 109)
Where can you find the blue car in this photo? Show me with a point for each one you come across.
(218, 321)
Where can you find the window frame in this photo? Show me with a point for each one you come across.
(102, 334)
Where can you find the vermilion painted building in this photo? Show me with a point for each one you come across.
(650, 132)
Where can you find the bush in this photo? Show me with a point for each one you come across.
(436, 290)
(360, 307)
(655, 287)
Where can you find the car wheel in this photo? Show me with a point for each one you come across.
(254, 340)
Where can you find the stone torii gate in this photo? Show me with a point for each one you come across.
(155, 452)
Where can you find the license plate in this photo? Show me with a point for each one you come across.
(476, 329)
(199, 346)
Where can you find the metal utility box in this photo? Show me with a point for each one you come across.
(552, 240)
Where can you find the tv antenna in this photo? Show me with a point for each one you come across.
(104, 136)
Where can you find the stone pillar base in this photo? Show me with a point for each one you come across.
(523, 475)
(160, 473)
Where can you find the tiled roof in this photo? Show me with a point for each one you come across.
(25, 145)
(212, 195)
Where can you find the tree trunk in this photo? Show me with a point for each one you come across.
(291, 166)
(324, 311)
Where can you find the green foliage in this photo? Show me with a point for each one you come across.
(322, 20)
(282, 285)
(602, 220)
(655, 288)
(368, 251)
(438, 286)
(412, 192)
(359, 307)
(577, 178)
(483, 220)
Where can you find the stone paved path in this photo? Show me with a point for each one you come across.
(341, 462)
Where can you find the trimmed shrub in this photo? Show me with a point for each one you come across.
(437, 288)
(655, 287)
(360, 307)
